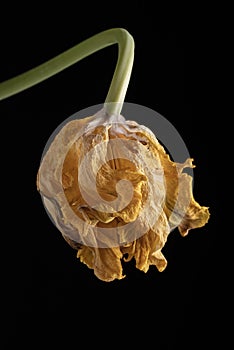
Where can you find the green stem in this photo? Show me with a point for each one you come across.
(119, 84)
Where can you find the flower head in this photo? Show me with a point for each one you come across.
(115, 194)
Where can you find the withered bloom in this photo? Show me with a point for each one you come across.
(115, 194)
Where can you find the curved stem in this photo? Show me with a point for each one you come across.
(119, 84)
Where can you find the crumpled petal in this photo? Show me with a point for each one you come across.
(106, 262)
(105, 151)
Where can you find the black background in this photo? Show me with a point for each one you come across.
(51, 298)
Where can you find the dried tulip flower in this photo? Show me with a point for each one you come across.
(107, 182)
(78, 180)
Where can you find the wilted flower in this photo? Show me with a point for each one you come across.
(115, 194)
